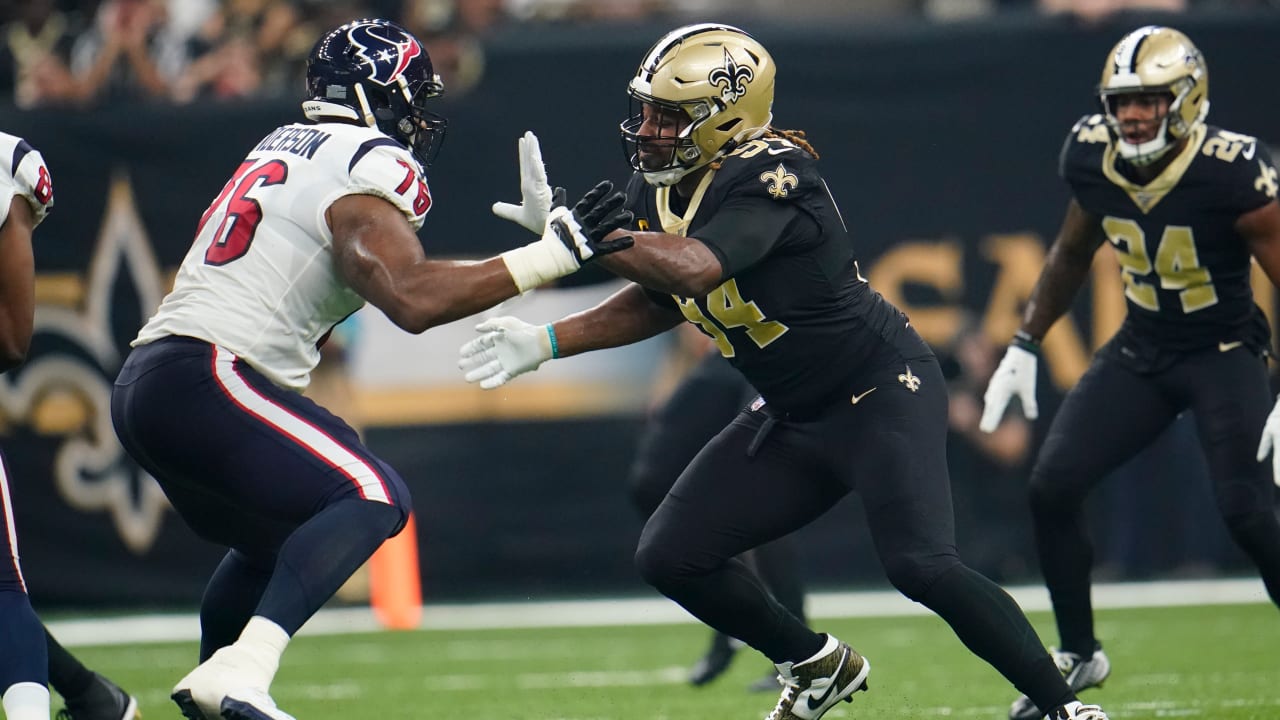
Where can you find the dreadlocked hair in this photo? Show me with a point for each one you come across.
(794, 136)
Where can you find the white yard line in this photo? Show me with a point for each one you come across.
(643, 611)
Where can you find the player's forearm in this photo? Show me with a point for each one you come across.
(1064, 272)
(435, 292)
(667, 263)
(626, 317)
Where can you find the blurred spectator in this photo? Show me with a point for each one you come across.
(1096, 10)
(124, 54)
(35, 52)
(241, 51)
(453, 30)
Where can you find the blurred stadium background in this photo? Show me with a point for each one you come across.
(939, 124)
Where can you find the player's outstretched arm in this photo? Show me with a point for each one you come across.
(17, 283)
(1065, 269)
(509, 347)
(379, 256)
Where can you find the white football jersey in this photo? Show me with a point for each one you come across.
(23, 173)
(260, 279)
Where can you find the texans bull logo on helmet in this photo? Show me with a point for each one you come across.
(387, 58)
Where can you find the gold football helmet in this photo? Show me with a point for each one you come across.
(1156, 59)
(718, 80)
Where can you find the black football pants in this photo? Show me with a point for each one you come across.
(891, 448)
(704, 402)
(1114, 412)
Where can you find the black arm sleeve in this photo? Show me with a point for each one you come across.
(746, 229)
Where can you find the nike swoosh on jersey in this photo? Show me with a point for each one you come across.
(778, 151)
(816, 702)
(1227, 346)
(858, 398)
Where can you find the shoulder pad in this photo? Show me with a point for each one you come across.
(1084, 144)
(1243, 163)
(772, 168)
(384, 168)
(23, 174)
(1230, 147)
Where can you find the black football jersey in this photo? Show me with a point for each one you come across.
(792, 314)
(1185, 268)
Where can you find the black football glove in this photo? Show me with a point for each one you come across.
(584, 228)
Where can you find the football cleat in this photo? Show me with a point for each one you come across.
(1077, 711)
(254, 705)
(1080, 674)
(715, 662)
(812, 687)
(199, 695)
(102, 700)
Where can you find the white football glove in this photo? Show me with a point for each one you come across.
(1270, 444)
(507, 347)
(1016, 375)
(535, 193)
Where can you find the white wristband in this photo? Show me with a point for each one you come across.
(539, 262)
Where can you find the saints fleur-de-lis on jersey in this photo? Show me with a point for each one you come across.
(778, 181)
(1266, 181)
(732, 79)
(910, 380)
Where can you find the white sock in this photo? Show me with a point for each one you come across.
(26, 701)
(264, 642)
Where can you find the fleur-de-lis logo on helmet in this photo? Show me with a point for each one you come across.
(732, 79)
(909, 379)
(778, 181)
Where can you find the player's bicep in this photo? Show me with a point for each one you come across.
(17, 282)
(744, 231)
(1261, 230)
(1081, 233)
(372, 242)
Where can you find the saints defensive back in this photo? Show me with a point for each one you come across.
(1185, 205)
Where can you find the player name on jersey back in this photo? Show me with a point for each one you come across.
(302, 141)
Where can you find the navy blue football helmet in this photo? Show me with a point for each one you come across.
(376, 73)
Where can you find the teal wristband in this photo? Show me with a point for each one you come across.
(555, 346)
(1023, 339)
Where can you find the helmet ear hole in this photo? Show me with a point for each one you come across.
(728, 125)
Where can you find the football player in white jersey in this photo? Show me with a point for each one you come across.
(317, 220)
(30, 658)
(26, 193)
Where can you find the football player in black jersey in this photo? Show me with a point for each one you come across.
(738, 234)
(1184, 204)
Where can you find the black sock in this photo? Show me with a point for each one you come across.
(230, 599)
(67, 675)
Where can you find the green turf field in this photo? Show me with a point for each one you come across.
(1220, 662)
